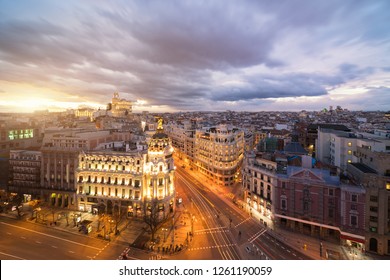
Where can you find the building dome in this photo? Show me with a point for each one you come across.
(160, 135)
(168, 150)
(160, 139)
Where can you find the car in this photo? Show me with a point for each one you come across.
(16, 207)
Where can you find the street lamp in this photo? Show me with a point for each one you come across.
(192, 224)
(164, 231)
(173, 229)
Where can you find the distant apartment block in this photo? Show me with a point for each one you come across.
(338, 147)
(219, 152)
(372, 171)
(18, 137)
(25, 173)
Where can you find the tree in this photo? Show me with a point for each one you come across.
(117, 216)
(101, 212)
(67, 218)
(153, 217)
(17, 201)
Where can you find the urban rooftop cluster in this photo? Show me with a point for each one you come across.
(322, 173)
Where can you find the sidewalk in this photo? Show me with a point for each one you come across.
(72, 221)
(172, 239)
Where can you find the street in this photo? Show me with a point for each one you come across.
(26, 240)
(226, 231)
(212, 239)
(217, 229)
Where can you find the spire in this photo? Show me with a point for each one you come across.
(159, 124)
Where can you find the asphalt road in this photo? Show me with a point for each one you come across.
(222, 223)
(25, 240)
(216, 223)
(212, 239)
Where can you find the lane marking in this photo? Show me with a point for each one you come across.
(55, 247)
(71, 252)
(201, 230)
(39, 242)
(13, 256)
(247, 219)
(257, 235)
(23, 237)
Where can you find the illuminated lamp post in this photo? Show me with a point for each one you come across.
(164, 231)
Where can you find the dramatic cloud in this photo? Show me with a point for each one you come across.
(196, 55)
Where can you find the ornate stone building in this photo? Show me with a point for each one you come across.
(303, 198)
(219, 152)
(60, 159)
(120, 107)
(134, 181)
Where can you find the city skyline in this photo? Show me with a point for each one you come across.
(195, 56)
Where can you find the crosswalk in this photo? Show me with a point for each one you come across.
(247, 219)
(212, 247)
(211, 232)
(256, 235)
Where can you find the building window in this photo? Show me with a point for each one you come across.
(330, 212)
(373, 198)
(373, 219)
(388, 186)
(353, 220)
(331, 192)
(349, 144)
(373, 209)
(354, 198)
(284, 204)
(353, 207)
(349, 161)
(349, 152)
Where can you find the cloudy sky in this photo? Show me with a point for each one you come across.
(195, 55)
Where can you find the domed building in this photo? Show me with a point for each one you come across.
(139, 182)
(159, 173)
